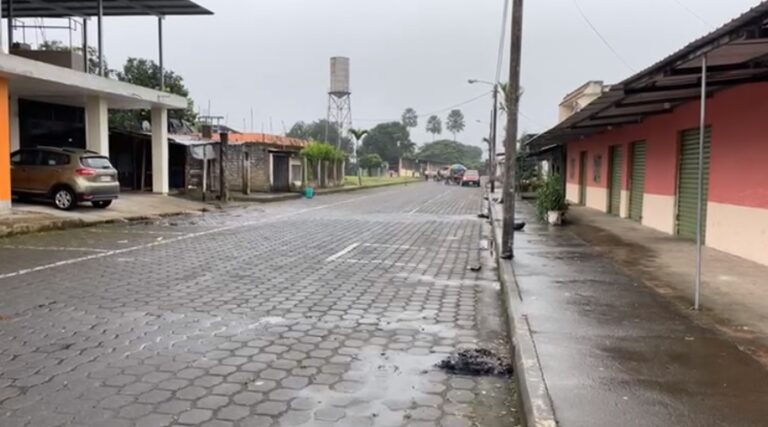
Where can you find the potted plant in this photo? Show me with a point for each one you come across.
(550, 201)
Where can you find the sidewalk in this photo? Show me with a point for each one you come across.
(33, 217)
(734, 291)
(614, 352)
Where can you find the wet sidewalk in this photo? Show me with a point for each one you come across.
(614, 352)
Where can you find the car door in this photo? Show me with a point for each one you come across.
(49, 171)
(22, 163)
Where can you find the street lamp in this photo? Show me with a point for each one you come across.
(492, 144)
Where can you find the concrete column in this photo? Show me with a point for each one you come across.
(5, 148)
(97, 125)
(160, 150)
(15, 133)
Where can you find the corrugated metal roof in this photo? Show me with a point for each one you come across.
(65, 8)
(737, 53)
(265, 139)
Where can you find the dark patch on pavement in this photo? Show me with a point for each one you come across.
(476, 362)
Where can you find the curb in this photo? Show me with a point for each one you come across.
(63, 224)
(537, 405)
(321, 192)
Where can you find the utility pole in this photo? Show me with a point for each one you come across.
(510, 144)
(492, 155)
(223, 142)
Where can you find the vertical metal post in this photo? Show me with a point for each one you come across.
(1, 20)
(85, 45)
(700, 196)
(101, 37)
(492, 155)
(160, 52)
(510, 144)
(223, 142)
(10, 25)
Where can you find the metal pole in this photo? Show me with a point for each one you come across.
(700, 196)
(492, 156)
(85, 45)
(223, 142)
(101, 37)
(160, 52)
(205, 169)
(10, 25)
(510, 144)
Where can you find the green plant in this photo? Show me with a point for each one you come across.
(550, 197)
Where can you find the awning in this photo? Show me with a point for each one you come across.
(48, 83)
(65, 8)
(737, 54)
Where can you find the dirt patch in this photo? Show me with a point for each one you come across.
(476, 362)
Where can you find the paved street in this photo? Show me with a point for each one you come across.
(324, 312)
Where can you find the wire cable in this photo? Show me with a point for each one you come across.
(603, 39)
(693, 13)
(500, 58)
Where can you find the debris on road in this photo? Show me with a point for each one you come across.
(476, 362)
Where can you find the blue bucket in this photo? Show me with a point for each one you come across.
(309, 192)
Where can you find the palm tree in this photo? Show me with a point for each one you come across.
(434, 126)
(358, 134)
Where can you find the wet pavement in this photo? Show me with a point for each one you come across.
(329, 312)
(616, 353)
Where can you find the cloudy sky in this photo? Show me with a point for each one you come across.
(272, 55)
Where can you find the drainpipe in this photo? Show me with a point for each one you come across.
(700, 197)
(101, 38)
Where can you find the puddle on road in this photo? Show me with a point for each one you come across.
(476, 362)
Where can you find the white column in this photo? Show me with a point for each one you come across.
(97, 125)
(159, 150)
(15, 132)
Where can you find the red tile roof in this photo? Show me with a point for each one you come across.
(263, 138)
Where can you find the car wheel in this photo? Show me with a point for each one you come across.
(101, 204)
(64, 199)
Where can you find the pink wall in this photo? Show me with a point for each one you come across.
(739, 164)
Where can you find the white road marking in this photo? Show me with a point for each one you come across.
(116, 231)
(52, 248)
(172, 240)
(384, 245)
(342, 252)
(428, 202)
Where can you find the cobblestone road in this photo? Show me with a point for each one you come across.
(324, 312)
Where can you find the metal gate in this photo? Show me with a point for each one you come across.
(637, 185)
(617, 163)
(583, 178)
(280, 172)
(688, 178)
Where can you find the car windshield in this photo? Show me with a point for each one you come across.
(96, 162)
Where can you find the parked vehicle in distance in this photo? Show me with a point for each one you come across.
(65, 176)
(471, 177)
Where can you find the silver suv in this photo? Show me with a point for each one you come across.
(65, 176)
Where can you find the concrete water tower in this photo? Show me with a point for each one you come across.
(339, 97)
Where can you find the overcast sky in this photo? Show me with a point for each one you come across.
(273, 55)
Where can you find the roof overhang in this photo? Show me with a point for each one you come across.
(49, 83)
(66, 8)
(737, 53)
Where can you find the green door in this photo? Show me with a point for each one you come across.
(617, 161)
(688, 178)
(637, 185)
(583, 178)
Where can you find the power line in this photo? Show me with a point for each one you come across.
(693, 13)
(603, 39)
(500, 57)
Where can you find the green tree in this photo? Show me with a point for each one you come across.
(434, 126)
(410, 118)
(449, 152)
(371, 162)
(145, 72)
(455, 122)
(390, 141)
(316, 131)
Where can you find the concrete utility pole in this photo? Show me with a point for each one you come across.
(492, 151)
(223, 142)
(510, 144)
